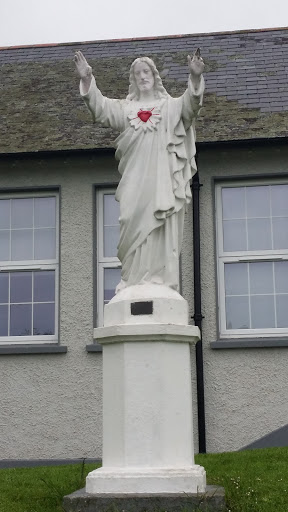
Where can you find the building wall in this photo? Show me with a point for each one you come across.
(245, 389)
(51, 404)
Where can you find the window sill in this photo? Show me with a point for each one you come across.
(250, 343)
(32, 349)
(94, 347)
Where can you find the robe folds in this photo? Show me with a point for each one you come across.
(156, 162)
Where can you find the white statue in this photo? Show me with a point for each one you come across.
(156, 150)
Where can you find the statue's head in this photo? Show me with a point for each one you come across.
(143, 76)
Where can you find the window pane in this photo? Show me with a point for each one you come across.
(20, 320)
(45, 212)
(258, 201)
(281, 277)
(111, 210)
(111, 239)
(262, 312)
(237, 313)
(4, 287)
(44, 286)
(21, 287)
(279, 200)
(233, 203)
(44, 244)
(112, 277)
(259, 234)
(22, 244)
(4, 213)
(4, 320)
(22, 213)
(236, 278)
(261, 277)
(255, 218)
(282, 310)
(280, 233)
(44, 319)
(4, 245)
(234, 232)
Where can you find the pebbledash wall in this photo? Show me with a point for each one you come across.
(51, 403)
(246, 388)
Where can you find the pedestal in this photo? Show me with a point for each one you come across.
(147, 396)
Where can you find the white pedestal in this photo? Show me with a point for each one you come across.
(147, 400)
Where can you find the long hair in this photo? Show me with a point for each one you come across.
(159, 89)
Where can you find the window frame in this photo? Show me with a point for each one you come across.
(102, 261)
(223, 257)
(35, 265)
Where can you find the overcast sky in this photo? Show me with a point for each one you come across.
(55, 21)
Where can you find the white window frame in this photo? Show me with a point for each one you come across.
(102, 261)
(38, 265)
(241, 256)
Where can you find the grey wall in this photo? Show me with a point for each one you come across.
(50, 404)
(245, 389)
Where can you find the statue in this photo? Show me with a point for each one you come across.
(156, 150)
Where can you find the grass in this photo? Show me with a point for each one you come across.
(40, 489)
(254, 481)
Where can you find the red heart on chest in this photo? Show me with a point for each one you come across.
(144, 115)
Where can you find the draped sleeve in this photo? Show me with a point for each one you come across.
(181, 146)
(108, 112)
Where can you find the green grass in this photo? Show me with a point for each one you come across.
(254, 481)
(40, 489)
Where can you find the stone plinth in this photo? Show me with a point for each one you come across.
(213, 500)
(147, 396)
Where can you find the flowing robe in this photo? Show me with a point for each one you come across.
(156, 162)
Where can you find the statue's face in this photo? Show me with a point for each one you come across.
(144, 76)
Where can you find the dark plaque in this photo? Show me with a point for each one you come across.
(142, 308)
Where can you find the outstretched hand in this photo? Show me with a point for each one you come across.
(196, 64)
(82, 66)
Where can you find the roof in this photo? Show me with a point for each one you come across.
(246, 87)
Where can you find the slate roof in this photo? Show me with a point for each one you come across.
(246, 87)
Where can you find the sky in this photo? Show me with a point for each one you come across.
(28, 22)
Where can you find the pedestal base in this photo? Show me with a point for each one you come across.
(147, 396)
(213, 500)
(141, 480)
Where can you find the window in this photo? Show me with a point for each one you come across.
(252, 246)
(28, 268)
(108, 265)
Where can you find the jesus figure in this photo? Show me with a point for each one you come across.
(156, 153)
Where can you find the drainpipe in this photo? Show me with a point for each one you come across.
(198, 313)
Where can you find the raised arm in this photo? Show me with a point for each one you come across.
(196, 68)
(108, 112)
(192, 98)
(84, 71)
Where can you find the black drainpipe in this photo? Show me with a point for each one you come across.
(198, 313)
